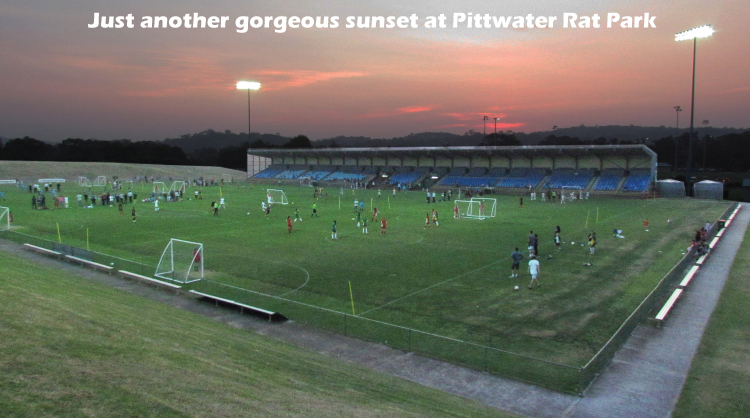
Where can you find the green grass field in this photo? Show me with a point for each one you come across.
(92, 350)
(450, 280)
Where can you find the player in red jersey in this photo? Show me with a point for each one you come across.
(382, 226)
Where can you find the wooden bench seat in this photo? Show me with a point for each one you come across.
(689, 276)
(87, 263)
(263, 312)
(44, 251)
(130, 275)
(662, 315)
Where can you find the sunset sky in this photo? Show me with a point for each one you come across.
(60, 79)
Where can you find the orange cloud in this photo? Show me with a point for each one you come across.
(275, 80)
(415, 109)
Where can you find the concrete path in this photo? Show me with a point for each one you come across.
(644, 379)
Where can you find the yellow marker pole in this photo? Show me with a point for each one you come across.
(351, 296)
(370, 204)
(389, 203)
(339, 202)
(597, 214)
(59, 240)
(220, 193)
(87, 239)
(587, 220)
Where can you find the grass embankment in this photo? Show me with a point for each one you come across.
(71, 347)
(718, 384)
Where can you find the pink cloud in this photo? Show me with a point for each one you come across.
(415, 109)
(275, 80)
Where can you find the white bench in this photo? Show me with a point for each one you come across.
(270, 315)
(688, 277)
(44, 251)
(662, 315)
(130, 275)
(87, 263)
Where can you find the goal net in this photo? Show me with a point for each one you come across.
(572, 192)
(276, 197)
(472, 209)
(84, 182)
(181, 261)
(100, 181)
(227, 178)
(4, 218)
(160, 187)
(178, 187)
(487, 206)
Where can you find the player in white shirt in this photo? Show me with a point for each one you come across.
(534, 271)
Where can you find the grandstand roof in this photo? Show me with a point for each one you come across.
(540, 150)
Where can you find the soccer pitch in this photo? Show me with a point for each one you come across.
(450, 280)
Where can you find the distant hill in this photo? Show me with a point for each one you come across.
(622, 133)
(29, 171)
(208, 139)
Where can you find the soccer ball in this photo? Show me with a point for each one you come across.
(248, 213)
(515, 288)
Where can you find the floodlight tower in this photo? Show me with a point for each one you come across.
(677, 109)
(700, 32)
(495, 141)
(248, 85)
(485, 124)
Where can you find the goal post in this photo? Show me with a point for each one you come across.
(181, 261)
(100, 181)
(84, 181)
(177, 187)
(276, 197)
(487, 206)
(574, 192)
(160, 187)
(468, 209)
(4, 218)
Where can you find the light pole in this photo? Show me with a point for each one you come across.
(699, 32)
(495, 139)
(677, 109)
(485, 124)
(705, 139)
(248, 85)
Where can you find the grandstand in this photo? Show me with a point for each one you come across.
(598, 169)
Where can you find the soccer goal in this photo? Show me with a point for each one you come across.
(4, 218)
(227, 178)
(181, 261)
(84, 182)
(572, 192)
(471, 209)
(100, 181)
(160, 187)
(276, 197)
(178, 187)
(487, 206)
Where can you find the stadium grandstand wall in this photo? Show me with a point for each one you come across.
(628, 170)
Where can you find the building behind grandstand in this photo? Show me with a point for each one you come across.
(602, 169)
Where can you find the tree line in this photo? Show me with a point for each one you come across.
(226, 149)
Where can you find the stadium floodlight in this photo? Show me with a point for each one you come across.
(485, 119)
(700, 32)
(248, 85)
(695, 33)
(677, 109)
